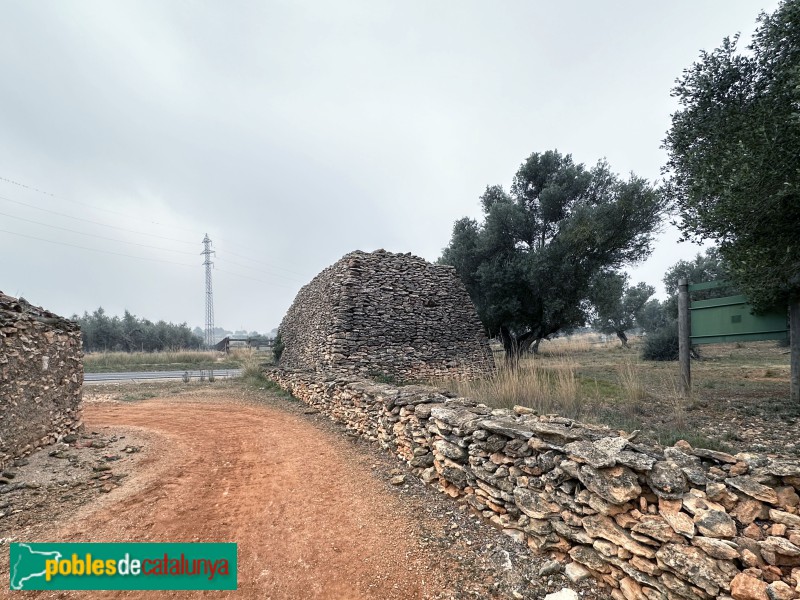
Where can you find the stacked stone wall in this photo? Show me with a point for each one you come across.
(388, 314)
(41, 376)
(650, 522)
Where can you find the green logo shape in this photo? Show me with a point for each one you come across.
(123, 566)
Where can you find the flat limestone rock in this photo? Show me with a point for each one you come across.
(783, 468)
(720, 457)
(721, 549)
(616, 485)
(784, 518)
(680, 522)
(667, 480)
(747, 485)
(715, 524)
(692, 564)
(556, 432)
(635, 460)
(600, 526)
(654, 526)
(584, 451)
(565, 594)
(507, 427)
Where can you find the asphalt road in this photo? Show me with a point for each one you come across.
(150, 375)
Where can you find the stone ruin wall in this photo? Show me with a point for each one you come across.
(41, 376)
(388, 314)
(648, 522)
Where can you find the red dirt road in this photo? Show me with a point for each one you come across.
(309, 519)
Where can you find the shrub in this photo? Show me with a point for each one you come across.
(662, 345)
(277, 348)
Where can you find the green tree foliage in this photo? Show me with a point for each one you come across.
(707, 266)
(660, 319)
(734, 156)
(652, 316)
(529, 265)
(616, 304)
(128, 334)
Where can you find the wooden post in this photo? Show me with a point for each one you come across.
(794, 341)
(684, 343)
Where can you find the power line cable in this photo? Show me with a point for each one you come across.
(46, 193)
(261, 261)
(86, 204)
(228, 260)
(96, 222)
(97, 250)
(101, 237)
(253, 278)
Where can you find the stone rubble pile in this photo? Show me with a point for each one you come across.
(649, 522)
(41, 377)
(385, 314)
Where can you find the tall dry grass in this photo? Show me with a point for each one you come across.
(547, 389)
(144, 360)
(631, 383)
(252, 362)
(574, 344)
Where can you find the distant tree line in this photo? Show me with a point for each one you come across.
(131, 333)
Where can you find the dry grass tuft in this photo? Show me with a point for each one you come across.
(553, 388)
(576, 344)
(630, 382)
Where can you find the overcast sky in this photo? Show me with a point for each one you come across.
(295, 132)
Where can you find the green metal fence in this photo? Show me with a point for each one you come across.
(731, 319)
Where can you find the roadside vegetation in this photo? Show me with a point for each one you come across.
(594, 379)
(189, 360)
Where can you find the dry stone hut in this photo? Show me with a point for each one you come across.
(385, 314)
(41, 376)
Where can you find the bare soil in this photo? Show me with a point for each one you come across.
(312, 511)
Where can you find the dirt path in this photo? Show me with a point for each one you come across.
(309, 523)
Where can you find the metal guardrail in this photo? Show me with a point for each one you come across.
(155, 375)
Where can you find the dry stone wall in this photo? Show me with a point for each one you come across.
(41, 376)
(388, 314)
(649, 522)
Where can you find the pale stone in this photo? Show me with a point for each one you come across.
(533, 505)
(584, 451)
(722, 457)
(617, 485)
(745, 587)
(785, 518)
(680, 522)
(747, 511)
(589, 557)
(694, 504)
(576, 572)
(631, 590)
(747, 485)
(603, 527)
(565, 594)
(654, 526)
(667, 480)
(723, 550)
(779, 590)
(635, 460)
(784, 468)
(449, 450)
(780, 545)
(693, 565)
(715, 524)
(787, 496)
